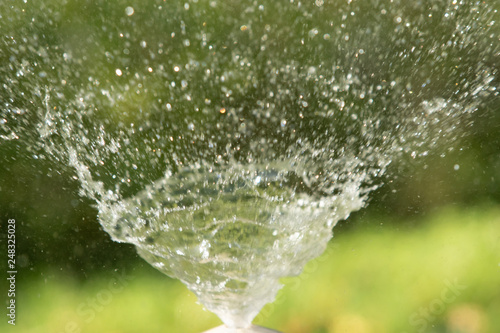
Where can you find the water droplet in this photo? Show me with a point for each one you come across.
(118, 72)
(313, 32)
(129, 11)
(283, 122)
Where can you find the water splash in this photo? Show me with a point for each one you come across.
(226, 142)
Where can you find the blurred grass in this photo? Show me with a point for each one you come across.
(371, 279)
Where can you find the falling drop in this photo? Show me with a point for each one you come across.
(129, 11)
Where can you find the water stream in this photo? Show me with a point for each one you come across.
(226, 139)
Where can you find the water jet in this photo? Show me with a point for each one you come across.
(227, 145)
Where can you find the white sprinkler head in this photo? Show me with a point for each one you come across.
(251, 329)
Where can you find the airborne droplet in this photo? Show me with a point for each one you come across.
(129, 11)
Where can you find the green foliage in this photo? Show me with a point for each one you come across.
(375, 280)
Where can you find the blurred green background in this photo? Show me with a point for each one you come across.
(424, 256)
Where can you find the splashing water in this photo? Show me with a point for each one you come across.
(225, 141)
